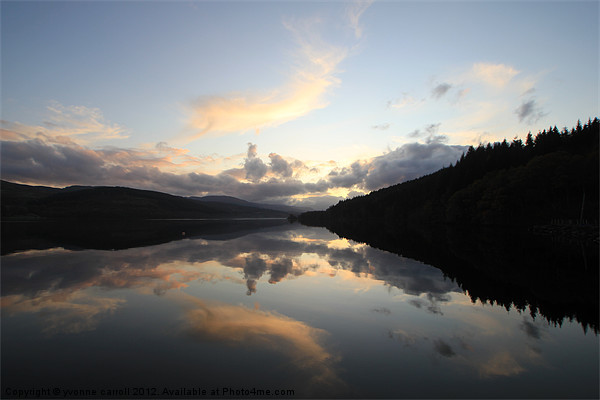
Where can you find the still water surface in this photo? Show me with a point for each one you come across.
(283, 307)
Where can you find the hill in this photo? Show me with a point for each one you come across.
(235, 200)
(553, 176)
(39, 202)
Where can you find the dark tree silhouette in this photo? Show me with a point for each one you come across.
(438, 219)
(495, 184)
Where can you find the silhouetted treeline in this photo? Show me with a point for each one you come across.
(552, 176)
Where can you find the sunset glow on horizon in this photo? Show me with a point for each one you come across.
(303, 103)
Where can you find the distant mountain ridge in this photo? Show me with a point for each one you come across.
(106, 202)
(235, 200)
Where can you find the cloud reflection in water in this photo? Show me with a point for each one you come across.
(422, 312)
(237, 325)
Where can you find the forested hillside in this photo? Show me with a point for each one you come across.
(23, 202)
(552, 176)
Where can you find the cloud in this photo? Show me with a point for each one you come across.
(57, 274)
(417, 302)
(382, 310)
(443, 348)
(529, 111)
(280, 166)
(74, 314)
(429, 134)
(406, 101)
(316, 202)
(64, 123)
(529, 91)
(382, 127)
(353, 13)
(255, 267)
(530, 329)
(440, 90)
(282, 268)
(52, 285)
(80, 120)
(254, 166)
(349, 176)
(160, 155)
(501, 364)
(43, 162)
(39, 162)
(462, 93)
(47, 161)
(495, 75)
(242, 326)
(312, 76)
(403, 337)
(432, 302)
(479, 96)
(410, 161)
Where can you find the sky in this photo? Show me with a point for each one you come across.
(302, 103)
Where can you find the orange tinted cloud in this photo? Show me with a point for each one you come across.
(75, 313)
(239, 325)
(88, 124)
(497, 75)
(501, 364)
(312, 76)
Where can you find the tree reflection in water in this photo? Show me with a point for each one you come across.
(310, 306)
